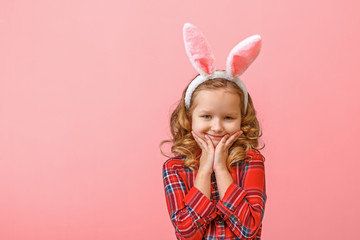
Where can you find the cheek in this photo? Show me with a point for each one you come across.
(234, 127)
(198, 126)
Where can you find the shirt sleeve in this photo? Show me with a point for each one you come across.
(243, 207)
(190, 211)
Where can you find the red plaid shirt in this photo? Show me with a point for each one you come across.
(237, 216)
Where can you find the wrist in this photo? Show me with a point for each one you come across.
(204, 172)
(221, 169)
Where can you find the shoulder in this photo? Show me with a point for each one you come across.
(254, 155)
(254, 159)
(176, 164)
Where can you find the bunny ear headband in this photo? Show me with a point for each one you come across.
(202, 59)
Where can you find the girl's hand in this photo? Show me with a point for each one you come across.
(207, 153)
(222, 151)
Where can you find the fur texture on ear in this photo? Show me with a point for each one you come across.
(242, 55)
(198, 50)
(202, 59)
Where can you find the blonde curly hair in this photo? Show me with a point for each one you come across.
(185, 146)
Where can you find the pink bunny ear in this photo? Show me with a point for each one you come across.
(242, 55)
(198, 49)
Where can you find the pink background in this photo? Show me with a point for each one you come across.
(86, 91)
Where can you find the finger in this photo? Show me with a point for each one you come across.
(230, 141)
(202, 143)
(223, 140)
(209, 141)
(206, 142)
(197, 138)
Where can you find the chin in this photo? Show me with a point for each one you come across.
(215, 142)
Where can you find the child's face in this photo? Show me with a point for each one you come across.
(216, 113)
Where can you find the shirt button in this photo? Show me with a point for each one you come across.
(198, 223)
(236, 219)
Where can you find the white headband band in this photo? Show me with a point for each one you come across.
(202, 59)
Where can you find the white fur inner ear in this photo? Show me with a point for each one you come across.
(198, 49)
(242, 55)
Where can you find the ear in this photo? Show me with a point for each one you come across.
(242, 55)
(198, 50)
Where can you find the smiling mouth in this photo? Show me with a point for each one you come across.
(216, 137)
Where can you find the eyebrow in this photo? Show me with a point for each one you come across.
(207, 111)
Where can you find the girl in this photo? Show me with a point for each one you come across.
(215, 184)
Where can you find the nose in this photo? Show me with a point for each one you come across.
(217, 126)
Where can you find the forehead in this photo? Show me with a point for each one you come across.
(217, 100)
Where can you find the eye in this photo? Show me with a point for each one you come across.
(228, 118)
(206, 116)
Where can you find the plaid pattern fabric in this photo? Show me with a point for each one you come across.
(237, 216)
